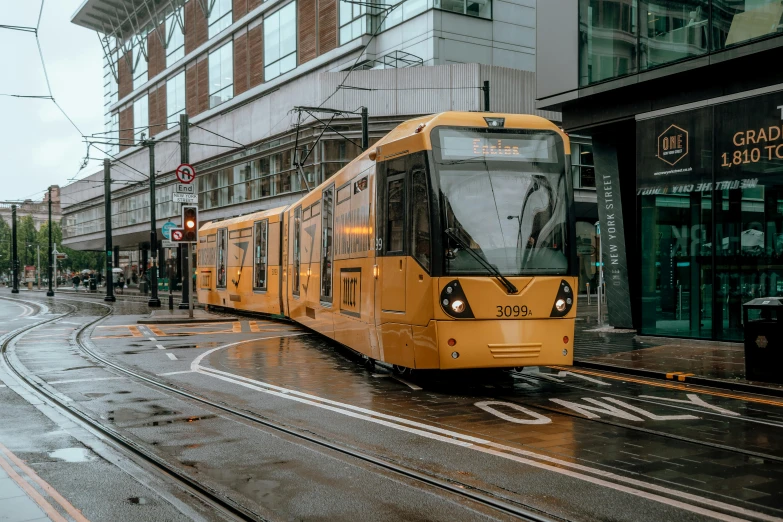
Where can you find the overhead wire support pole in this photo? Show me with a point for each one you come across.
(50, 292)
(365, 129)
(109, 248)
(14, 253)
(486, 95)
(154, 301)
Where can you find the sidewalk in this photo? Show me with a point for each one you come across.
(707, 363)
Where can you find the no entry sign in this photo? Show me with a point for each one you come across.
(185, 173)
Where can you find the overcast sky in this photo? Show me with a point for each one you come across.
(38, 146)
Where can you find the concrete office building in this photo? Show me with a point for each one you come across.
(239, 67)
(683, 102)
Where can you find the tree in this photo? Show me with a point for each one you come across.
(43, 240)
(26, 241)
(5, 247)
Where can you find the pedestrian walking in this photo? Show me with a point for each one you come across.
(76, 280)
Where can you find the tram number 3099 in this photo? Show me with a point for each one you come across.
(513, 311)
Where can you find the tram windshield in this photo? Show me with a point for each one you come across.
(504, 194)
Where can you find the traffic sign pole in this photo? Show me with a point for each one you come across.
(184, 148)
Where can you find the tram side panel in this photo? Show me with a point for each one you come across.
(353, 257)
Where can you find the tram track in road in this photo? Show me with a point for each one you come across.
(210, 497)
(468, 492)
(476, 493)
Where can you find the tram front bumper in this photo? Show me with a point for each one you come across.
(505, 343)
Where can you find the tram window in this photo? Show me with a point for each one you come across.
(297, 249)
(327, 228)
(395, 217)
(259, 255)
(222, 250)
(421, 218)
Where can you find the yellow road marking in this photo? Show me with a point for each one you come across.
(33, 493)
(157, 331)
(253, 326)
(237, 327)
(135, 331)
(681, 387)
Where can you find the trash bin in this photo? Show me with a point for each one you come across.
(763, 319)
(143, 287)
(93, 285)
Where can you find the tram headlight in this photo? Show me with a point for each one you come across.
(454, 301)
(564, 300)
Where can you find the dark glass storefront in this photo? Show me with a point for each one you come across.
(710, 188)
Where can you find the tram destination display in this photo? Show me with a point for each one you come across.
(458, 144)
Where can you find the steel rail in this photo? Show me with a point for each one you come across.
(208, 495)
(507, 506)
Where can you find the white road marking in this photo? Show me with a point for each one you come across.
(153, 340)
(695, 400)
(406, 383)
(85, 380)
(537, 418)
(647, 413)
(3, 386)
(161, 347)
(379, 375)
(68, 322)
(172, 356)
(173, 373)
(585, 377)
(493, 448)
(600, 407)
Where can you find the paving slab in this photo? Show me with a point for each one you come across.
(599, 346)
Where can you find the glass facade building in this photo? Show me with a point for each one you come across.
(710, 184)
(621, 37)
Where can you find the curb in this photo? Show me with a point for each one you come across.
(684, 378)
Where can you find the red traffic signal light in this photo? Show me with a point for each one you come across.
(190, 223)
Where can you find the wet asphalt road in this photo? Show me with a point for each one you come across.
(575, 446)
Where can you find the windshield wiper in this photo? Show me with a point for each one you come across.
(510, 288)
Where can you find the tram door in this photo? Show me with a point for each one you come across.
(392, 216)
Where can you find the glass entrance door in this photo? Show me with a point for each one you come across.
(676, 265)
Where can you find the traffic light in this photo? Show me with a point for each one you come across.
(190, 223)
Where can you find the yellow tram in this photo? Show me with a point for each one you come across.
(449, 244)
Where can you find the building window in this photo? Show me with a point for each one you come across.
(141, 113)
(139, 62)
(114, 132)
(478, 8)
(175, 97)
(219, 16)
(672, 30)
(221, 75)
(280, 42)
(737, 22)
(582, 165)
(175, 50)
(354, 21)
(259, 255)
